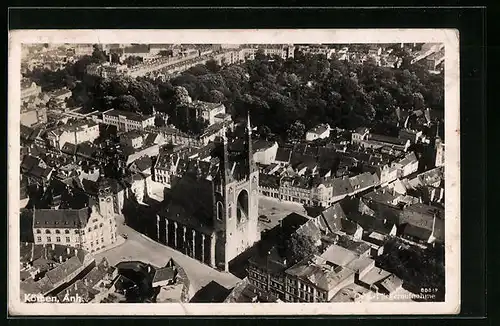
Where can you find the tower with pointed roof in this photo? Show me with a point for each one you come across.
(438, 148)
(105, 195)
(235, 199)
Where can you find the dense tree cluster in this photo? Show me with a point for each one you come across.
(284, 97)
(298, 247)
(418, 268)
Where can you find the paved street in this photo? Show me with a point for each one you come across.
(276, 211)
(139, 247)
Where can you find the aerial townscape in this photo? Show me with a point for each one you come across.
(229, 173)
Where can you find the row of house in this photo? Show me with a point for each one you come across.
(340, 262)
(46, 270)
(284, 184)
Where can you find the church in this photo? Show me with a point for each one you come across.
(211, 213)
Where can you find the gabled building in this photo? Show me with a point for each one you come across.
(92, 228)
(125, 120)
(321, 131)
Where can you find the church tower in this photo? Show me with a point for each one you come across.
(438, 149)
(235, 200)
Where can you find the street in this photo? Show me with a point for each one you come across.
(276, 211)
(141, 248)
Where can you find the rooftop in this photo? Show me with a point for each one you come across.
(338, 255)
(319, 273)
(61, 218)
(127, 114)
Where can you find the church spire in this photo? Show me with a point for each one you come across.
(249, 126)
(224, 134)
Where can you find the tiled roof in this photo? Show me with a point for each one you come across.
(338, 255)
(63, 270)
(391, 283)
(61, 218)
(341, 186)
(163, 274)
(283, 155)
(319, 273)
(261, 145)
(129, 115)
(213, 292)
(387, 139)
(143, 164)
(319, 129)
(374, 275)
(244, 292)
(77, 289)
(332, 216)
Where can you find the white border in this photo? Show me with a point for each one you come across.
(449, 37)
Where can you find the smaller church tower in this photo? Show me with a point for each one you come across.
(438, 149)
(106, 208)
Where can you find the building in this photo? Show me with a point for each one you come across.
(94, 287)
(378, 141)
(412, 135)
(406, 166)
(321, 131)
(29, 90)
(280, 50)
(92, 228)
(264, 151)
(36, 171)
(76, 132)
(200, 111)
(439, 150)
(422, 223)
(33, 116)
(427, 50)
(46, 270)
(220, 222)
(173, 283)
(359, 135)
(81, 50)
(125, 121)
(245, 292)
(107, 70)
(61, 95)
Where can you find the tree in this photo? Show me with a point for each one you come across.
(133, 61)
(166, 53)
(115, 57)
(216, 96)
(126, 103)
(264, 132)
(198, 70)
(298, 247)
(296, 131)
(98, 55)
(212, 66)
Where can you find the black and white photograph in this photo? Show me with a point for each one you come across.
(226, 169)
